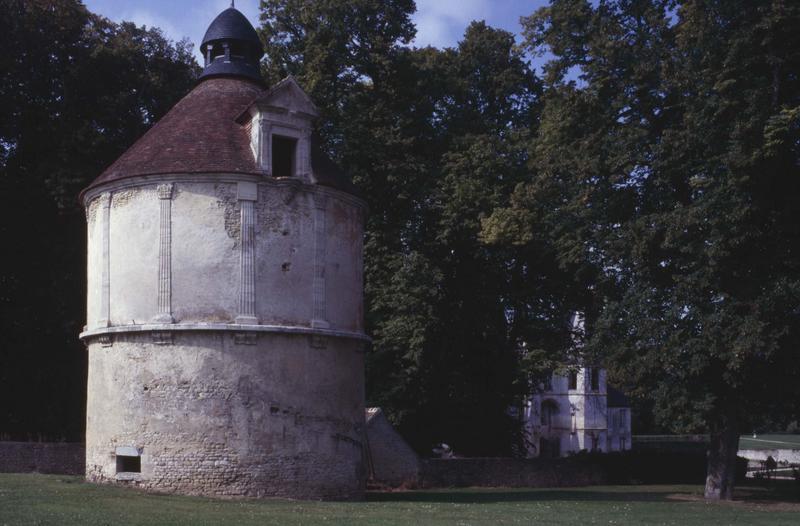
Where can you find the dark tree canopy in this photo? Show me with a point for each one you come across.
(76, 91)
(670, 171)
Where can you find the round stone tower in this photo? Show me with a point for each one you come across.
(224, 330)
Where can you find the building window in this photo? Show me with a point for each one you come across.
(622, 443)
(283, 155)
(547, 385)
(573, 380)
(549, 412)
(595, 374)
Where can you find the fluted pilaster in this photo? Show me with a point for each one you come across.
(105, 265)
(164, 314)
(320, 316)
(247, 195)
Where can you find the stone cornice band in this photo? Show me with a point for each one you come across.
(222, 327)
(205, 177)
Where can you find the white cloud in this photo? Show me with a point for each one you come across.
(178, 19)
(143, 17)
(441, 23)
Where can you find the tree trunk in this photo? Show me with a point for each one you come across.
(721, 474)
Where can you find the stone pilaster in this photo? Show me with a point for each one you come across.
(105, 265)
(247, 195)
(164, 314)
(320, 316)
(265, 145)
(303, 156)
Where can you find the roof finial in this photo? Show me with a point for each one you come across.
(233, 3)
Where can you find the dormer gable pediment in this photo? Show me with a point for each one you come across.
(288, 96)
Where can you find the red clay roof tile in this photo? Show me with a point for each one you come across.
(200, 134)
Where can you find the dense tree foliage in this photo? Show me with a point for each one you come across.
(670, 170)
(436, 140)
(75, 92)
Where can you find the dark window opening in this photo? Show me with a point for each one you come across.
(237, 49)
(547, 385)
(283, 150)
(595, 379)
(217, 51)
(573, 380)
(549, 412)
(129, 464)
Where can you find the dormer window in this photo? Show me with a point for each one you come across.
(281, 121)
(283, 156)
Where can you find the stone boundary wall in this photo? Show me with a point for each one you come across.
(60, 458)
(511, 472)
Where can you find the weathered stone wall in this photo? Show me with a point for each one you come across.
(213, 417)
(62, 458)
(511, 472)
(225, 337)
(629, 467)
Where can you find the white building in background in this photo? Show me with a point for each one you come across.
(576, 411)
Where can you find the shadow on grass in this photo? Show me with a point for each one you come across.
(769, 491)
(778, 492)
(484, 496)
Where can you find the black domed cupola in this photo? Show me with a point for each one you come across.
(231, 47)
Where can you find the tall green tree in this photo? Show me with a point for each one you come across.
(434, 139)
(76, 91)
(669, 169)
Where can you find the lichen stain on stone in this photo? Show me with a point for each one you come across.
(91, 211)
(226, 199)
(245, 390)
(121, 198)
(209, 315)
(347, 218)
(274, 216)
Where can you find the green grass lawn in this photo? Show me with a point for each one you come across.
(772, 441)
(62, 500)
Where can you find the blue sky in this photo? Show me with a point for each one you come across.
(439, 23)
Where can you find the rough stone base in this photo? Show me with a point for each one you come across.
(216, 418)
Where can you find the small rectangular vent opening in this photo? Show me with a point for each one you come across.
(283, 155)
(129, 464)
